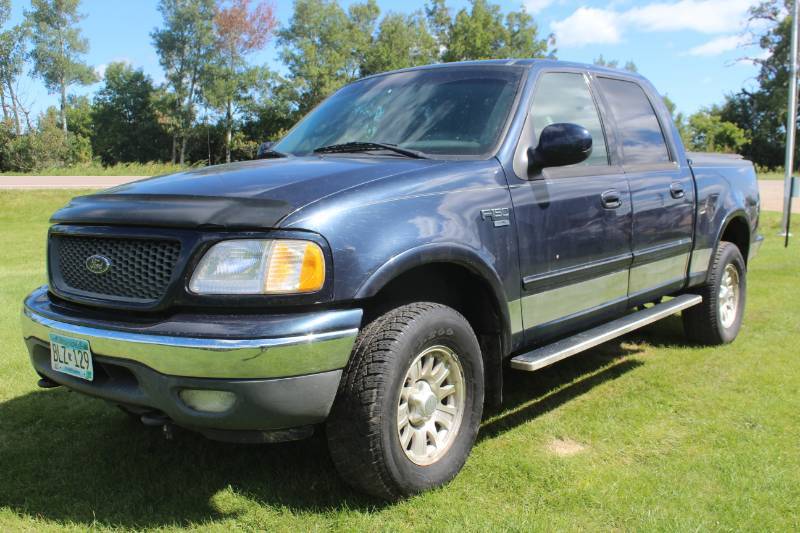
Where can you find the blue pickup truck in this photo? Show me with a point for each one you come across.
(376, 270)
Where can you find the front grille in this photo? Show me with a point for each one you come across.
(140, 269)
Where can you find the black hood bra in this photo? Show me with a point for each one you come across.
(248, 195)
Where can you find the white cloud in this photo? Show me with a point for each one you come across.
(534, 6)
(718, 46)
(588, 25)
(753, 60)
(601, 26)
(704, 16)
(100, 70)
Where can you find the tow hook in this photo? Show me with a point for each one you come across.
(47, 383)
(156, 419)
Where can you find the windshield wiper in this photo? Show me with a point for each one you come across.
(271, 154)
(265, 151)
(360, 146)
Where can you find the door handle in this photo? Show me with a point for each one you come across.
(611, 199)
(676, 190)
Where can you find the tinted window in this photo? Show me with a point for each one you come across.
(449, 111)
(642, 138)
(564, 97)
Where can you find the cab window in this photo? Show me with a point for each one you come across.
(637, 125)
(564, 97)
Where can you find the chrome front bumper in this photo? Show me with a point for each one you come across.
(284, 370)
(303, 352)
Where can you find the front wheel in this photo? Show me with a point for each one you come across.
(410, 402)
(718, 319)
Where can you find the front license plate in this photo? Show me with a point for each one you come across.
(71, 356)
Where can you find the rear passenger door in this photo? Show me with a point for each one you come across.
(662, 191)
(573, 222)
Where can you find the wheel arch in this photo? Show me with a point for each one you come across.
(455, 276)
(736, 229)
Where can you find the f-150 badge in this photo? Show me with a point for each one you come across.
(501, 216)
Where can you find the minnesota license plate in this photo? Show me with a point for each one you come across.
(71, 356)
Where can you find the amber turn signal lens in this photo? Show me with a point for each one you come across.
(295, 266)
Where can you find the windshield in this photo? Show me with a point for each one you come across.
(444, 111)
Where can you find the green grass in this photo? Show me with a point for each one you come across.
(674, 437)
(95, 169)
(771, 175)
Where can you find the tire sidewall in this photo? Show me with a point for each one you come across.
(441, 326)
(730, 255)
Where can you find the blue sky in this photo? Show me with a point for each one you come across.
(690, 49)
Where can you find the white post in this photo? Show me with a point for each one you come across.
(791, 123)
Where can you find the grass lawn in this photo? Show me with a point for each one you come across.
(770, 176)
(643, 434)
(96, 169)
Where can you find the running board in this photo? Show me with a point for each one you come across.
(552, 353)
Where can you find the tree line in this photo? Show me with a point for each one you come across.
(216, 105)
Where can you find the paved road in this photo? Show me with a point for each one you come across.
(771, 191)
(772, 196)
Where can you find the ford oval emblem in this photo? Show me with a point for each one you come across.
(98, 264)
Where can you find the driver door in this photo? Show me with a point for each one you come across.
(573, 222)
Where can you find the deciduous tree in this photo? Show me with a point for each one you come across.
(678, 118)
(58, 48)
(483, 33)
(439, 21)
(240, 29)
(522, 37)
(79, 116)
(185, 46)
(362, 25)
(322, 47)
(125, 118)
(614, 63)
(477, 33)
(707, 132)
(762, 111)
(12, 59)
(402, 41)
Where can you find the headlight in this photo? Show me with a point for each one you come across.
(246, 266)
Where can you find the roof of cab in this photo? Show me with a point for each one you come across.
(526, 62)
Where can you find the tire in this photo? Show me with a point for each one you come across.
(712, 322)
(363, 430)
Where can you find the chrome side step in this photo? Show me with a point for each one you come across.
(552, 353)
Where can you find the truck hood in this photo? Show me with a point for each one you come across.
(247, 195)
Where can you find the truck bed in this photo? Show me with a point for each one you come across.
(713, 159)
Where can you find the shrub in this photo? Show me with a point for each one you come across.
(242, 148)
(45, 147)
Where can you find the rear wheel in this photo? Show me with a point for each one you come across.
(718, 319)
(410, 402)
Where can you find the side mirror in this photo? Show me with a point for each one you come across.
(559, 145)
(264, 149)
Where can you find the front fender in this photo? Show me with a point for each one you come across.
(437, 253)
(378, 231)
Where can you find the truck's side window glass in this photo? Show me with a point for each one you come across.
(642, 138)
(565, 97)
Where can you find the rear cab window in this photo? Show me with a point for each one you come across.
(638, 128)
